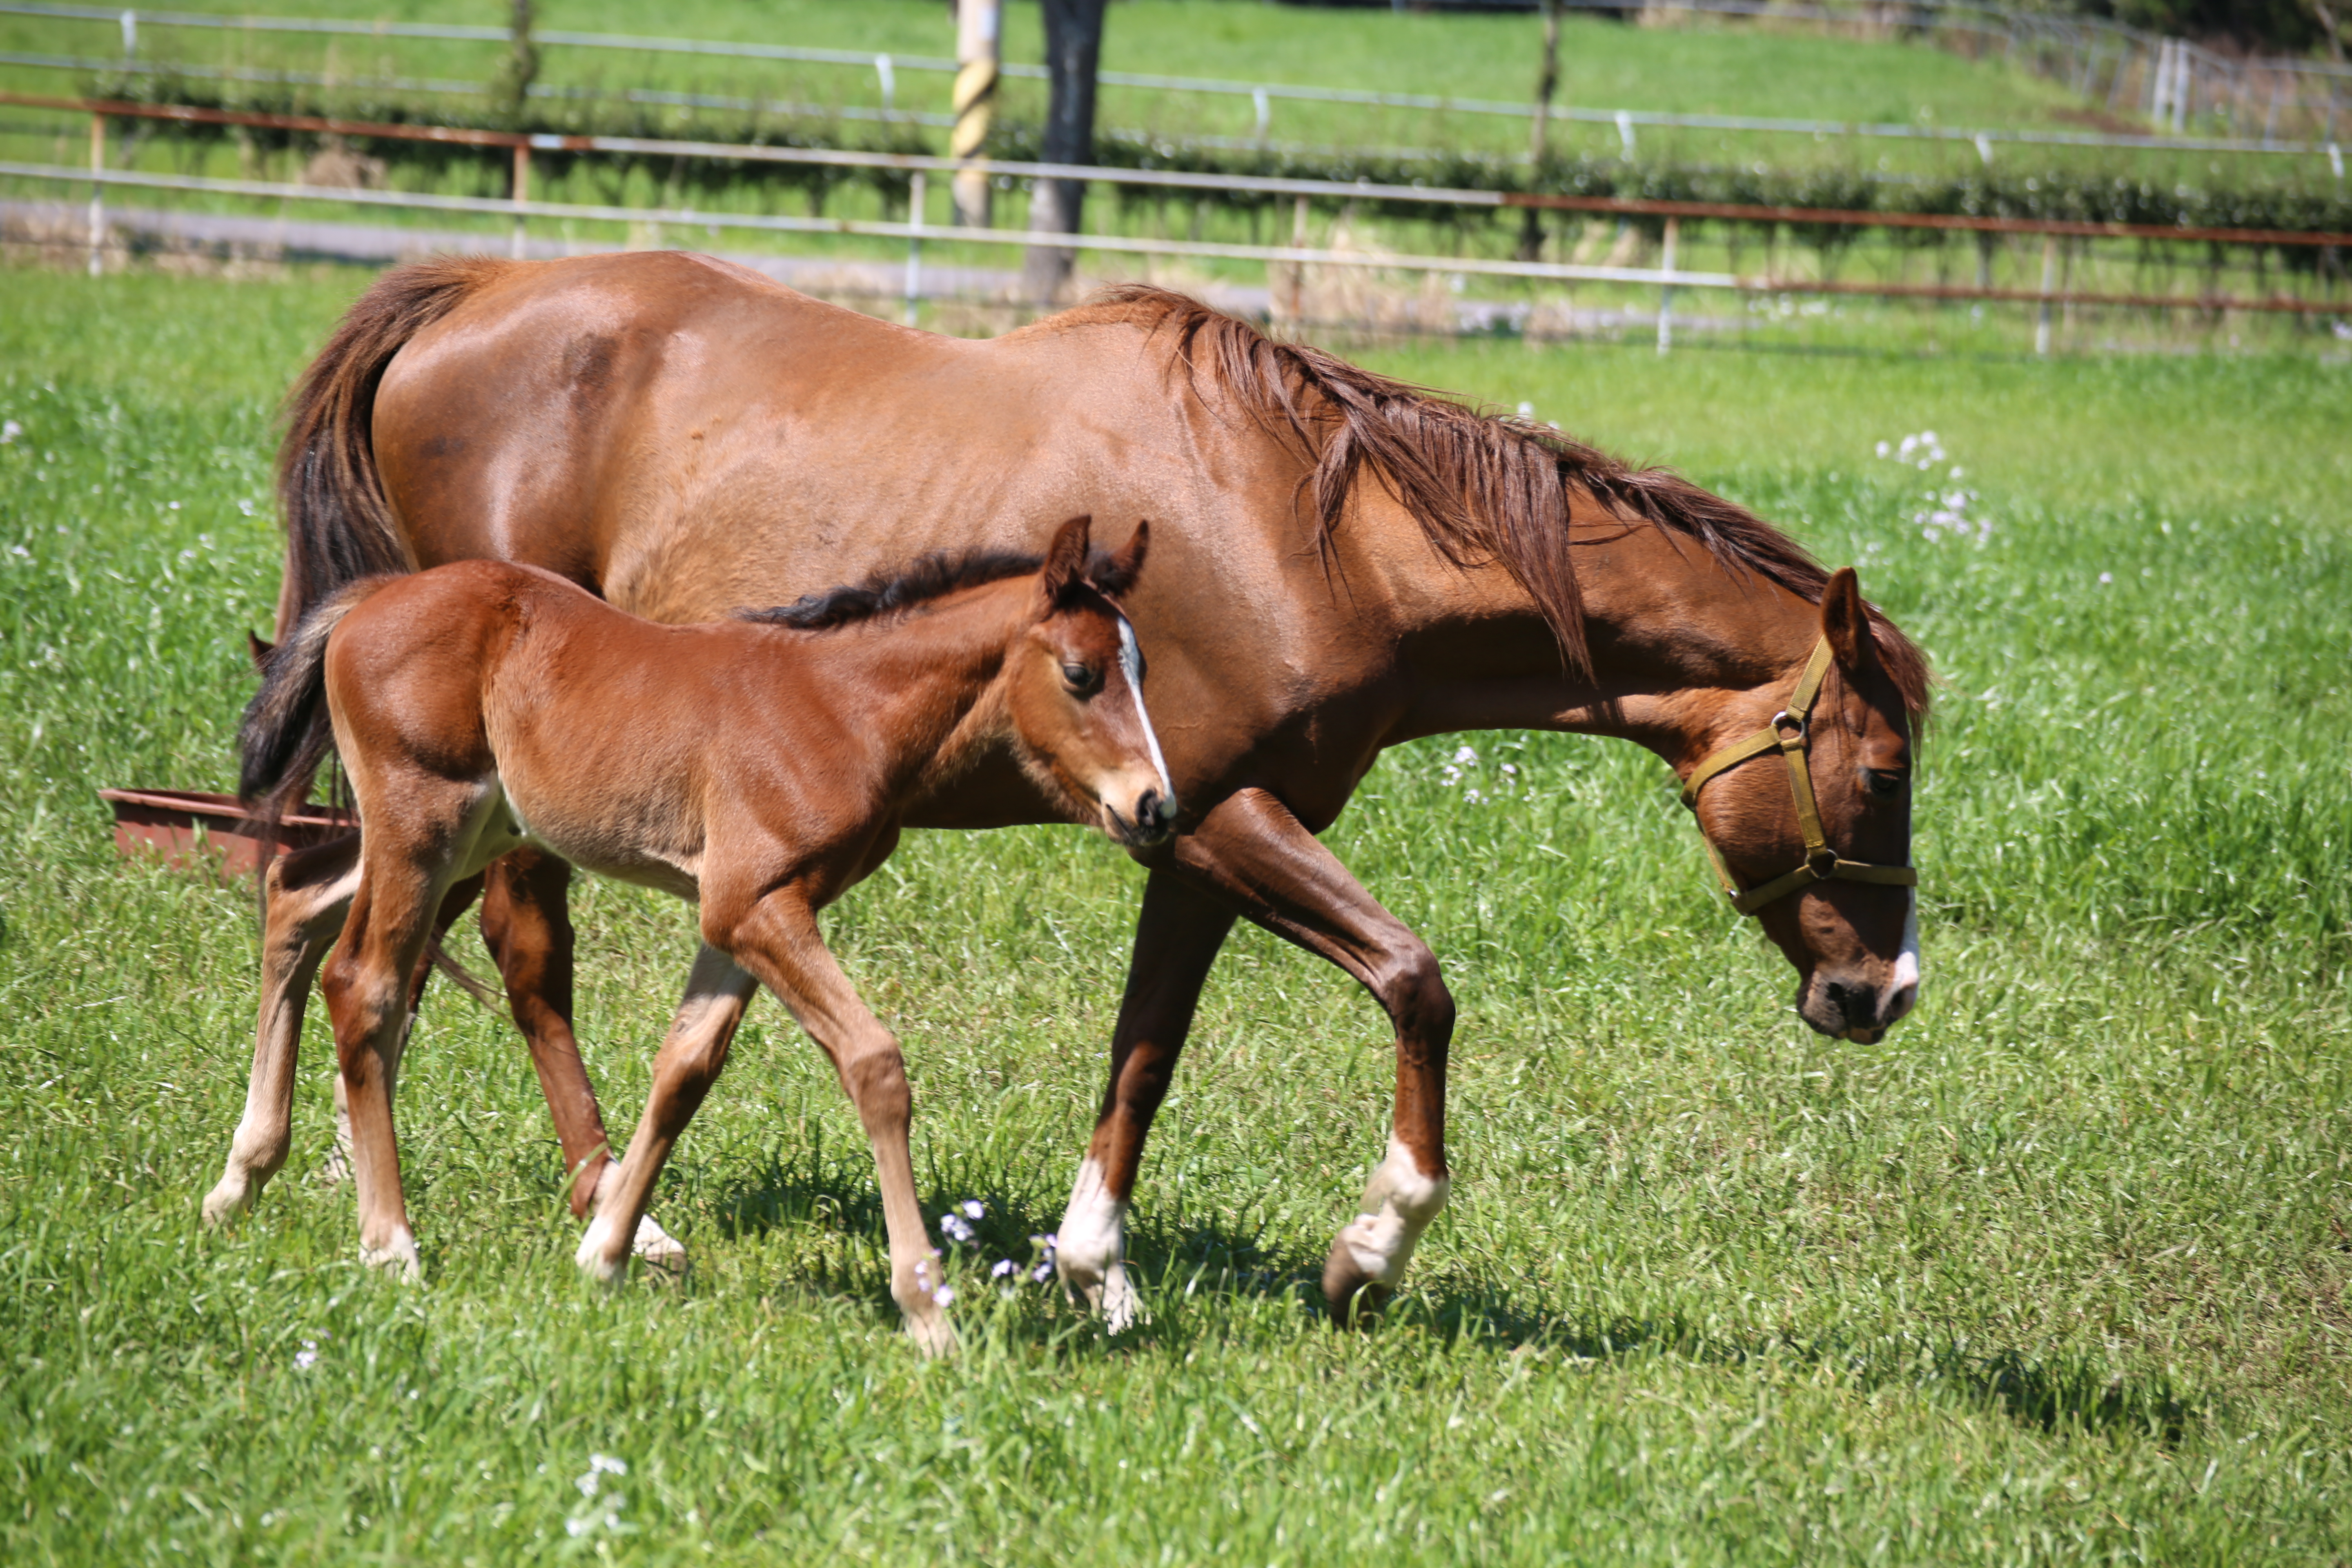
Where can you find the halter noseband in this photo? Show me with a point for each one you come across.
(1787, 734)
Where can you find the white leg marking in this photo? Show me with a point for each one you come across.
(659, 1248)
(398, 1254)
(1091, 1249)
(1130, 663)
(1399, 1202)
(597, 1257)
(1903, 990)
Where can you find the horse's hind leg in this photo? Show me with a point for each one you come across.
(405, 865)
(529, 932)
(453, 904)
(306, 895)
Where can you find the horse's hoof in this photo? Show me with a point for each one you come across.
(227, 1201)
(336, 1168)
(598, 1258)
(397, 1258)
(663, 1252)
(1353, 1296)
(932, 1333)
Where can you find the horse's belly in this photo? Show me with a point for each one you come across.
(631, 845)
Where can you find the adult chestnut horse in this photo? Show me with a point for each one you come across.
(1339, 562)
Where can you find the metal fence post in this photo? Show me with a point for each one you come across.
(2049, 284)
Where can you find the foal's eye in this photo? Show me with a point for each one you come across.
(1885, 785)
(1081, 679)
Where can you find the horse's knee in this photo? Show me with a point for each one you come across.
(876, 1078)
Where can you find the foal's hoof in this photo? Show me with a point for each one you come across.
(932, 1333)
(663, 1253)
(336, 1168)
(228, 1200)
(397, 1258)
(1353, 1296)
(598, 1258)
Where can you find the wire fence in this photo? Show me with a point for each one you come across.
(2209, 80)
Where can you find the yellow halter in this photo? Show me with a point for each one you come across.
(1788, 733)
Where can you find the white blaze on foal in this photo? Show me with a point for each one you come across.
(1091, 1248)
(1398, 1204)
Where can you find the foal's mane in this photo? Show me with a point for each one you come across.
(1480, 486)
(898, 589)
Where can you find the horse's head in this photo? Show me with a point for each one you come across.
(1813, 833)
(1075, 688)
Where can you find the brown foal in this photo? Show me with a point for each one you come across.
(760, 766)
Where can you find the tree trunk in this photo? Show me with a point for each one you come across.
(1073, 51)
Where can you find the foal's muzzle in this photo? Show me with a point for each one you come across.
(1849, 1009)
(1153, 821)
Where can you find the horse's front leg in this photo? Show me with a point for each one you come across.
(1176, 936)
(1251, 852)
(777, 939)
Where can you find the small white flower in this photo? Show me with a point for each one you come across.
(1884, 447)
(1473, 797)
(955, 1229)
(1465, 757)
(1042, 1272)
(1005, 1266)
(608, 1464)
(246, 507)
(1527, 411)
(11, 431)
(973, 1208)
(307, 1357)
(2107, 576)
(1510, 770)
(944, 1297)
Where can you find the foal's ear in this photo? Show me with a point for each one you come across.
(1065, 558)
(1115, 574)
(1846, 623)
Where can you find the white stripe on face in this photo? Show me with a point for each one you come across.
(1130, 662)
(1904, 988)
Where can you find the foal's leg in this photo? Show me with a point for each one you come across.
(1252, 851)
(528, 933)
(778, 941)
(453, 904)
(691, 1056)
(406, 862)
(1176, 938)
(305, 894)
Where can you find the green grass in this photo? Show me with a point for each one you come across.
(2054, 1272)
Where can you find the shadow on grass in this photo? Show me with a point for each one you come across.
(2055, 1394)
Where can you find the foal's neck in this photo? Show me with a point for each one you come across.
(925, 682)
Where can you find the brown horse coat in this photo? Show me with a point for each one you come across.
(1341, 563)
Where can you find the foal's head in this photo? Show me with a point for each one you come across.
(1852, 928)
(1073, 686)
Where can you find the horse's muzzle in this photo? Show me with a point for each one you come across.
(1153, 822)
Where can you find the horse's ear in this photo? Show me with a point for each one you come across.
(260, 651)
(1846, 623)
(1065, 558)
(1115, 574)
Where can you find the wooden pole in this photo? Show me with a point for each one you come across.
(97, 195)
(1666, 294)
(2049, 286)
(977, 23)
(915, 194)
(521, 246)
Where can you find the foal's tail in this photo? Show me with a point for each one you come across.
(287, 730)
(339, 527)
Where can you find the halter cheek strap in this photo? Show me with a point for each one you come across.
(1788, 733)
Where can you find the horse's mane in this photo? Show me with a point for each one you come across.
(1481, 486)
(898, 589)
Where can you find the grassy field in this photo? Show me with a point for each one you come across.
(2056, 1272)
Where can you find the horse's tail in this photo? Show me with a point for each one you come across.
(339, 526)
(288, 729)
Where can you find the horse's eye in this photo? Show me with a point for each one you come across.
(1081, 679)
(1885, 785)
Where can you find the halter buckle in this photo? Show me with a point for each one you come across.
(1803, 723)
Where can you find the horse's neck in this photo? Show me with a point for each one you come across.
(1671, 633)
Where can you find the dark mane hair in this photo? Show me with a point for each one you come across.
(897, 590)
(1482, 487)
